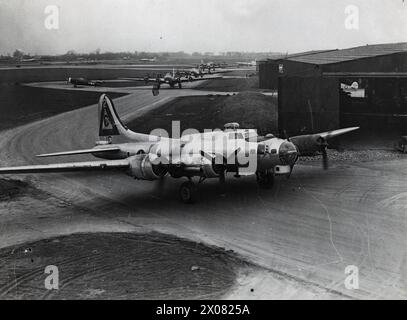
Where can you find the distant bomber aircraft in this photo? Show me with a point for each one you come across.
(84, 82)
(173, 79)
(190, 73)
(149, 60)
(203, 155)
(247, 64)
(210, 66)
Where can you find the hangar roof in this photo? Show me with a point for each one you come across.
(307, 53)
(336, 56)
(294, 55)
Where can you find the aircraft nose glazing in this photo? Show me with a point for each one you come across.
(288, 153)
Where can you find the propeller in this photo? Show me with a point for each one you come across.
(325, 159)
(323, 146)
(156, 89)
(147, 78)
(324, 152)
(309, 145)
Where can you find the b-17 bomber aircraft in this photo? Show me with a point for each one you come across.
(84, 82)
(206, 155)
(190, 73)
(149, 59)
(210, 66)
(172, 79)
(246, 64)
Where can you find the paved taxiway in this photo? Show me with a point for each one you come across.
(303, 233)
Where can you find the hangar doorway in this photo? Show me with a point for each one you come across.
(378, 105)
(374, 103)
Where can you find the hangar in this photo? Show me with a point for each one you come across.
(322, 90)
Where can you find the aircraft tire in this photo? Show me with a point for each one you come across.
(188, 192)
(265, 179)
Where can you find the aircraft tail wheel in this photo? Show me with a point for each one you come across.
(265, 179)
(188, 192)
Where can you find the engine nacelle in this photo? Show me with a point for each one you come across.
(205, 169)
(308, 145)
(142, 168)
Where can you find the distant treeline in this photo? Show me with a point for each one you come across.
(97, 55)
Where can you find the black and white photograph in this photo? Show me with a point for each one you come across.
(203, 150)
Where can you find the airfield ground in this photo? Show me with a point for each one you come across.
(294, 241)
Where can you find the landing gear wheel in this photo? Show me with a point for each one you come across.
(265, 179)
(188, 192)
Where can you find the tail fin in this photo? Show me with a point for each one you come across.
(111, 126)
(109, 121)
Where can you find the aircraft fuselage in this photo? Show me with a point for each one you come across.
(183, 157)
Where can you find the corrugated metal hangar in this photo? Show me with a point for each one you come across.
(323, 90)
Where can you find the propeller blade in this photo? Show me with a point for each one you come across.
(222, 177)
(324, 159)
(156, 89)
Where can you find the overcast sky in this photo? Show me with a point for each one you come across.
(198, 25)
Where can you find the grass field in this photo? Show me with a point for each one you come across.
(251, 83)
(250, 109)
(22, 104)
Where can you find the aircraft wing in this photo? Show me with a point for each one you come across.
(335, 133)
(68, 167)
(76, 152)
(311, 144)
(139, 79)
(203, 78)
(327, 135)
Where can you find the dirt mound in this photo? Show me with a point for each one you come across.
(252, 110)
(117, 266)
(13, 188)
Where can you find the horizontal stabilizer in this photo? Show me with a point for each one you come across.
(76, 152)
(68, 167)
